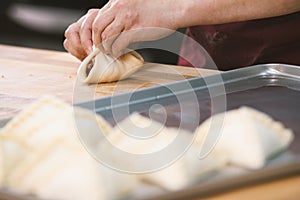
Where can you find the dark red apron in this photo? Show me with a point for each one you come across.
(235, 45)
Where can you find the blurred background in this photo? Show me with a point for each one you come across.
(41, 24)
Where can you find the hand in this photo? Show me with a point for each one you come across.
(120, 23)
(124, 22)
(78, 35)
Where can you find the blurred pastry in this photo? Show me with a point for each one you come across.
(43, 155)
(247, 136)
(139, 135)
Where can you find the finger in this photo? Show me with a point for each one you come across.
(78, 54)
(102, 20)
(109, 35)
(74, 27)
(86, 30)
(136, 35)
(123, 40)
(73, 42)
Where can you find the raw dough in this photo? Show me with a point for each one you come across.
(248, 137)
(183, 171)
(99, 68)
(44, 156)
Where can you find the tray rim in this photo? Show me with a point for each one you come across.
(251, 178)
(256, 75)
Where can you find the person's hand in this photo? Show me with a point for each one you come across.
(78, 35)
(119, 23)
(124, 22)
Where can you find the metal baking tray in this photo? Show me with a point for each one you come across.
(271, 88)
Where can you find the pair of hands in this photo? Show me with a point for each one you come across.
(120, 23)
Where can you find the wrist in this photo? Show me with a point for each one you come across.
(172, 13)
(188, 13)
(180, 16)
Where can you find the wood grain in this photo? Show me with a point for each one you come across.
(26, 74)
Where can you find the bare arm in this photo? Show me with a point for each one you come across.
(122, 22)
(204, 12)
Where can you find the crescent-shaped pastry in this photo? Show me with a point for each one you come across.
(99, 67)
(248, 137)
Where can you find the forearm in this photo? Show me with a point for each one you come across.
(204, 12)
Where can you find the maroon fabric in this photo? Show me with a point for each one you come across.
(235, 45)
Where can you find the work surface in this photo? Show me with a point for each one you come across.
(26, 74)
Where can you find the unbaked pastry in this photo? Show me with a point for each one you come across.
(44, 156)
(183, 171)
(99, 67)
(248, 137)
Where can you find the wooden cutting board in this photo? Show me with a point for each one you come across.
(26, 74)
